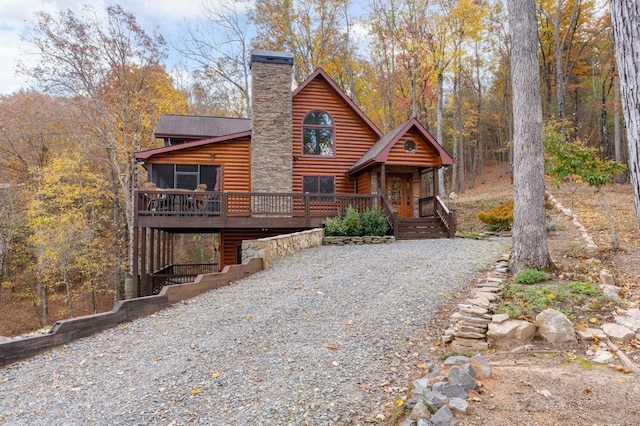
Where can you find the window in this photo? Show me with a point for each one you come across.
(409, 146)
(319, 185)
(185, 176)
(318, 134)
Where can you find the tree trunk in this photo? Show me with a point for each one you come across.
(617, 139)
(607, 210)
(625, 21)
(529, 221)
(440, 132)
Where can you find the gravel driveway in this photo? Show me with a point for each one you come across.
(326, 336)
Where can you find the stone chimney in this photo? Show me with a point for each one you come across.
(271, 121)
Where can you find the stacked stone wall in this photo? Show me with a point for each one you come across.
(272, 248)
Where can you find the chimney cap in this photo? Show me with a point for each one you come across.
(270, 57)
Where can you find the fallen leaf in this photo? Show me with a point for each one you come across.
(587, 390)
(158, 358)
(215, 375)
(593, 320)
(249, 318)
(193, 346)
(399, 402)
(195, 391)
(332, 347)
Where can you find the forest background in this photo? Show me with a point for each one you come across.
(67, 169)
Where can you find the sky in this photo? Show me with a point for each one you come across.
(170, 15)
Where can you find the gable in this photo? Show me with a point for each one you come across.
(391, 149)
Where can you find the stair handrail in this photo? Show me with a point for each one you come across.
(447, 216)
(392, 215)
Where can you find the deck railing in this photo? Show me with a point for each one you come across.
(179, 274)
(175, 202)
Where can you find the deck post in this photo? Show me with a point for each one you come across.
(224, 207)
(307, 209)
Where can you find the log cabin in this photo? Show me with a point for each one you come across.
(304, 155)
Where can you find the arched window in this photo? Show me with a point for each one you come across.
(318, 134)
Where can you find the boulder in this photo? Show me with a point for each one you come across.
(617, 333)
(606, 278)
(510, 333)
(555, 327)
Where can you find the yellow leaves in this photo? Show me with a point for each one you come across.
(581, 326)
(551, 296)
(593, 320)
(195, 391)
(215, 375)
(332, 347)
(399, 402)
(249, 318)
(158, 358)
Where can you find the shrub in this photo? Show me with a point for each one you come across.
(334, 226)
(375, 222)
(531, 276)
(579, 287)
(352, 223)
(498, 218)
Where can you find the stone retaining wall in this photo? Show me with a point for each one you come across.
(272, 248)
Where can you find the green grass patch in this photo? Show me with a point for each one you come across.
(531, 276)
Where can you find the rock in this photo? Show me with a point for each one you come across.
(470, 370)
(453, 196)
(458, 404)
(633, 313)
(606, 278)
(456, 360)
(555, 327)
(420, 410)
(610, 291)
(499, 318)
(424, 422)
(474, 311)
(470, 319)
(510, 333)
(618, 333)
(458, 376)
(470, 335)
(469, 345)
(485, 367)
(603, 356)
(443, 417)
(454, 391)
(588, 334)
(629, 322)
(409, 422)
(464, 328)
(421, 383)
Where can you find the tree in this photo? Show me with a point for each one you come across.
(219, 44)
(107, 65)
(575, 163)
(625, 21)
(529, 223)
(67, 213)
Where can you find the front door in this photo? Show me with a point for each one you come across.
(400, 193)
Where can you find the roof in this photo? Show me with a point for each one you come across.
(319, 73)
(144, 155)
(378, 153)
(199, 126)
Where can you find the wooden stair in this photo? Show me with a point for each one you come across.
(421, 228)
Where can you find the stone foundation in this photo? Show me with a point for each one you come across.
(272, 248)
